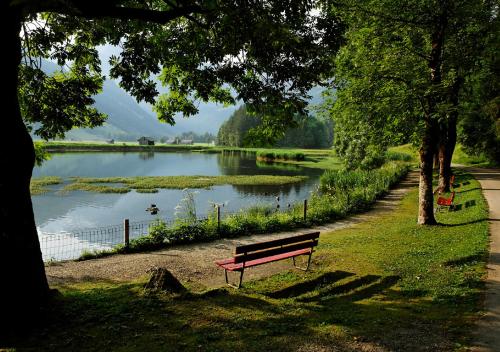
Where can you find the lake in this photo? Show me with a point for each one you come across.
(70, 212)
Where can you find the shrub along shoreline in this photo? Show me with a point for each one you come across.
(341, 193)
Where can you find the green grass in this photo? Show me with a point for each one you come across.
(385, 282)
(461, 157)
(151, 184)
(68, 146)
(37, 185)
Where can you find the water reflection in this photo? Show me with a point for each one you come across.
(57, 212)
(146, 155)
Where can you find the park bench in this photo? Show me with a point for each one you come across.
(446, 202)
(250, 255)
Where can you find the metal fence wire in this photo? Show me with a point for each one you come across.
(72, 245)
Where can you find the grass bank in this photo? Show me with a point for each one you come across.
(67, 146)
(317, 158)
(384, 284)
(459, 156)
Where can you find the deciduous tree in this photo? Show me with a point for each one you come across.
(270, 53)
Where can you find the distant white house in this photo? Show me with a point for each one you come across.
(146, 141)
(187, 141)
(172, 141)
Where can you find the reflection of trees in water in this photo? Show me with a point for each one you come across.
(241, 163)
(289, 169)
(235, 163)
(269, 191)
(146, 155)
(238, 163)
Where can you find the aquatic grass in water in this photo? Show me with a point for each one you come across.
(37, 184)
(151, 184)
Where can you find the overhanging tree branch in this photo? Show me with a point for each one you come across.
(91, 10)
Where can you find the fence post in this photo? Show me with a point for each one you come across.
(126, 234)
(305, 209)
(218, 218)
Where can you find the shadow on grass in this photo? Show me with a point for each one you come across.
(355, 290)
(465, 223)
(228, 320)
(311, 285)
(471, 259)
(460, 192)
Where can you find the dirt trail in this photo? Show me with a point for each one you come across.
(194, 264)
(488, 327)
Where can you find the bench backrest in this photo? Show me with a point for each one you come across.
(274, 247)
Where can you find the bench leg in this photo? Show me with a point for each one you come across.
(308, 263)
(232, 285)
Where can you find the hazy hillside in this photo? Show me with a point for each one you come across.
(128, 120)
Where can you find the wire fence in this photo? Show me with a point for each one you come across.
(72, 245)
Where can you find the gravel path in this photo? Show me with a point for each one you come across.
(194, 264)
(488, 327)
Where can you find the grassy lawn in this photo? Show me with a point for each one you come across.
(461, 157)
(385, 282)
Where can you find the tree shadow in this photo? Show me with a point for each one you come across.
(353, 291)
(310, 285)
(468, 190)
(471, 259)
(228, 320)
(470, 203)
(465, 223)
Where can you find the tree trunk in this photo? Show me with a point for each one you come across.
(22, 272)
(429, 139)
(425, 193)
(447, 146)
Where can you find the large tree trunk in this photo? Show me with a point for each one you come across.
(425, 194)
(429, 139)
(22, 274)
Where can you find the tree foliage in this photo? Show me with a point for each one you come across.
(269, 53)
(479, 128)
(383, 76)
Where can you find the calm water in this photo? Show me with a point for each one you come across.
(57, 212)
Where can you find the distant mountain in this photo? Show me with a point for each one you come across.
(128, 120)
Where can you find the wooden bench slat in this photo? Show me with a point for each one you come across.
(239, 266)
(275, 243)
(274, 251)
